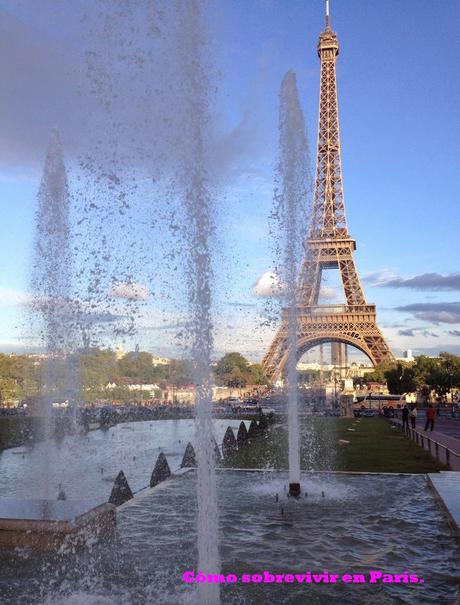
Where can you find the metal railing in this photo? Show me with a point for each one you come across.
(420, 440)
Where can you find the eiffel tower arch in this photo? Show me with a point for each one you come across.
(328, 246)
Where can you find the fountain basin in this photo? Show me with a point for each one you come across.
(340, 523)
(363, 522)
(53, 525)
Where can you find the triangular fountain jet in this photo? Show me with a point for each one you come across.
(121, 492)
(189, 458)
(161, 471)
(217, 455)
(253, 430)
(242, 436)
(229, 445)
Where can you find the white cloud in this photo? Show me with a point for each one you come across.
(268, 285)
(423, 282)
(131, 291)
(438, 312)
(11, 297)
(328, 293)
(380, 278)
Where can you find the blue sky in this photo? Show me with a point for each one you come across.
(399, 112)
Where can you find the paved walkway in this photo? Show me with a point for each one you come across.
(444, 435)
(446, 425)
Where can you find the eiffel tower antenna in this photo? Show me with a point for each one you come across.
(329, 246)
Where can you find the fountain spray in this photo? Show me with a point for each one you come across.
(51, 283)
(199, 212)
(291, 197)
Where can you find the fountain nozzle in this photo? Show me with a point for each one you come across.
(294, 490)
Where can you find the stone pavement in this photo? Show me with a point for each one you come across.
(444, 424)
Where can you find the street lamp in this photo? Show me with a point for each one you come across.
(450, 373)
(335, 389)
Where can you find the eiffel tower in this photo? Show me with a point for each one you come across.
(328, 246)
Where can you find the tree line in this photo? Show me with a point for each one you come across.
(86, 374)
(439, 376)
(23, 376)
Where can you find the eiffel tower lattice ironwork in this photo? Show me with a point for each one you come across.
(328, 245)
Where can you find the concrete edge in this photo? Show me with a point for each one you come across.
(145, 491)
(304, 472)
(455, 529)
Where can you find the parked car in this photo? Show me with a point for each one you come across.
(388, 412)
(234, 401)
(368, 413)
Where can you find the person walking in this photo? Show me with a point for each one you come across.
(413, 416)
(405, 418)
(430, 416)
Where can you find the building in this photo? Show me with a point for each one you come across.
(150, 390)
(317, 367)
(184, 394)
(406, 356)
(358, 371)
(160, 361)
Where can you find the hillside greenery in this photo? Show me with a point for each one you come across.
(87, 374)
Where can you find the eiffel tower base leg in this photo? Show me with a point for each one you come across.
(294, 490)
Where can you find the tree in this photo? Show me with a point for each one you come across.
(439, 374)
(378, 374)
(234, 370)
(97, 367)
(401, 379)
(139, 367)
(179, 372)
(257, 374)
(450, 372)
(19, 377)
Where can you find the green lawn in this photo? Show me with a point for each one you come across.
(374, 446)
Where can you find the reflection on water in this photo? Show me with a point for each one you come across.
(363, 523)
(87, 465)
